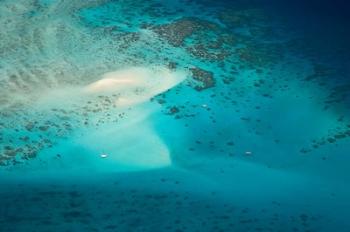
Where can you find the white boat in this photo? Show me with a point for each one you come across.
(104, 155)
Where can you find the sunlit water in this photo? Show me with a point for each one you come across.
(171, 116)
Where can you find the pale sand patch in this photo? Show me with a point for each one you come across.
(132, 85)
(136, 85)
(132, 144)
(131, 147)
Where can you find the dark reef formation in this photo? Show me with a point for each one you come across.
(205, 78)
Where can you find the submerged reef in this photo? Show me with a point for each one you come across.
(169, 116)
(203, 39)
(177, 32)
(205, 78)
(227, 53)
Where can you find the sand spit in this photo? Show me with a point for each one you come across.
(137, 84)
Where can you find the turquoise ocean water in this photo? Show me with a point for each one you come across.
(174, 116)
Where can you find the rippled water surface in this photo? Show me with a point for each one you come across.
(174, 116)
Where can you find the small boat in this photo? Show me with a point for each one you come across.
(103, 155)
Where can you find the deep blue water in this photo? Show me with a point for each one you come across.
(174, 115)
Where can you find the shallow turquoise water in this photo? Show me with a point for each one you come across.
(170, 116)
